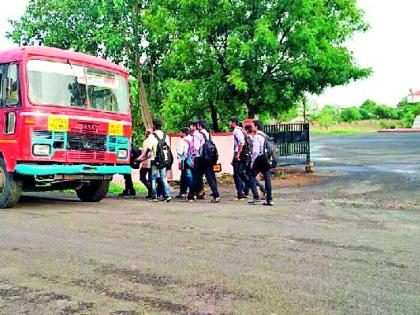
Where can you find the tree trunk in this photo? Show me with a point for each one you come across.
(215, 122)
(251, 112)
(146, 112)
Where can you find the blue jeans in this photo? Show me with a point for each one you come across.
(186, 178)
(160, 174)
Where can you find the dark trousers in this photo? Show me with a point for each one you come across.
(145, 178)
(129, 187)
(203, 169)
(260, 166)
(257, 182)
(242, 179)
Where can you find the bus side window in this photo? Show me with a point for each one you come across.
(11, 87)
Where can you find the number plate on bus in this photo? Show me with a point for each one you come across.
(115, 129)
(56, 123)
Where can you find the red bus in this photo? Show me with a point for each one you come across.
(65, 123)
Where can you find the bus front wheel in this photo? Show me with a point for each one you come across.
(10, 187)
(94, 191)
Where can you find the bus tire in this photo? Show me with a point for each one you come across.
(94, 191)
(10, 187)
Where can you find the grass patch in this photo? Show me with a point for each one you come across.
(117, 189)
(354, 128)
(113, 189)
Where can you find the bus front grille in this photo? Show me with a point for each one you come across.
(86, 142)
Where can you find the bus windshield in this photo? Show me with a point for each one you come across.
(69, 85)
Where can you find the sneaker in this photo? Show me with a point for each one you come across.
(123, 194)
(215, 200)
(181, 196)
(254, 202)
(268, 203)
(240, 199)
(167, 199)
(154, 200)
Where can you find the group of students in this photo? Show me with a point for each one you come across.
(197, 154)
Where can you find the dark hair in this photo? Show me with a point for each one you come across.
(185, 130)
(258, 124)
(235, 120)
(157, 124)
(248, 128)
(202, 124)
(193, 123)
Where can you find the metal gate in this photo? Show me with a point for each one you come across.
(292, 141)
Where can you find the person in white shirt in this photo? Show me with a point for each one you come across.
(259, 162)
(197, 181)
(201, 168)
(158, 172)
(240, 161)
(185, 156)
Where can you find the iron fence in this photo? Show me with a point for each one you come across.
(292, 141)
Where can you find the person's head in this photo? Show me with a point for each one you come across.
(193, 127)
(257, 125)
(148, 132)
(201, 124)
(248, 129)
(233, 122)
(184, 132)
(157, 125)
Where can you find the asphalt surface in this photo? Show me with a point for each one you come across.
(388, 163)
(349, 244)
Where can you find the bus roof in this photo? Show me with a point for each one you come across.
(21, 53)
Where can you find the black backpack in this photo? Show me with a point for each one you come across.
(209, 151)
(163, 156)
(246, 153)
(270, 152)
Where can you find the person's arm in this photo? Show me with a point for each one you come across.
(241, 142)
(144, 152)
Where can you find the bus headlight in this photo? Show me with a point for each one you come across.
(122, 154)
(41, 149)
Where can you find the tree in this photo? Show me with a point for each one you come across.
(367, 110)
(258, 56)
(408, 112)
(350, 114)
(240, 57)
(327, 117)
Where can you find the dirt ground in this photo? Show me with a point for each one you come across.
(349, 243)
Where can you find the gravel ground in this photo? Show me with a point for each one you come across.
(349, 244)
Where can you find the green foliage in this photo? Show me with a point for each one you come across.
(206, 58)
(258, 56)
(350, 114)
(408, 112)
(327, 117)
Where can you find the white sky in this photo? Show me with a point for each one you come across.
(391, 48)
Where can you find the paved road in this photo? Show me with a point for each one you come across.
(390, 163)
(350, 244)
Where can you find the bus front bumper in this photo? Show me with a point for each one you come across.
(57, 169)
